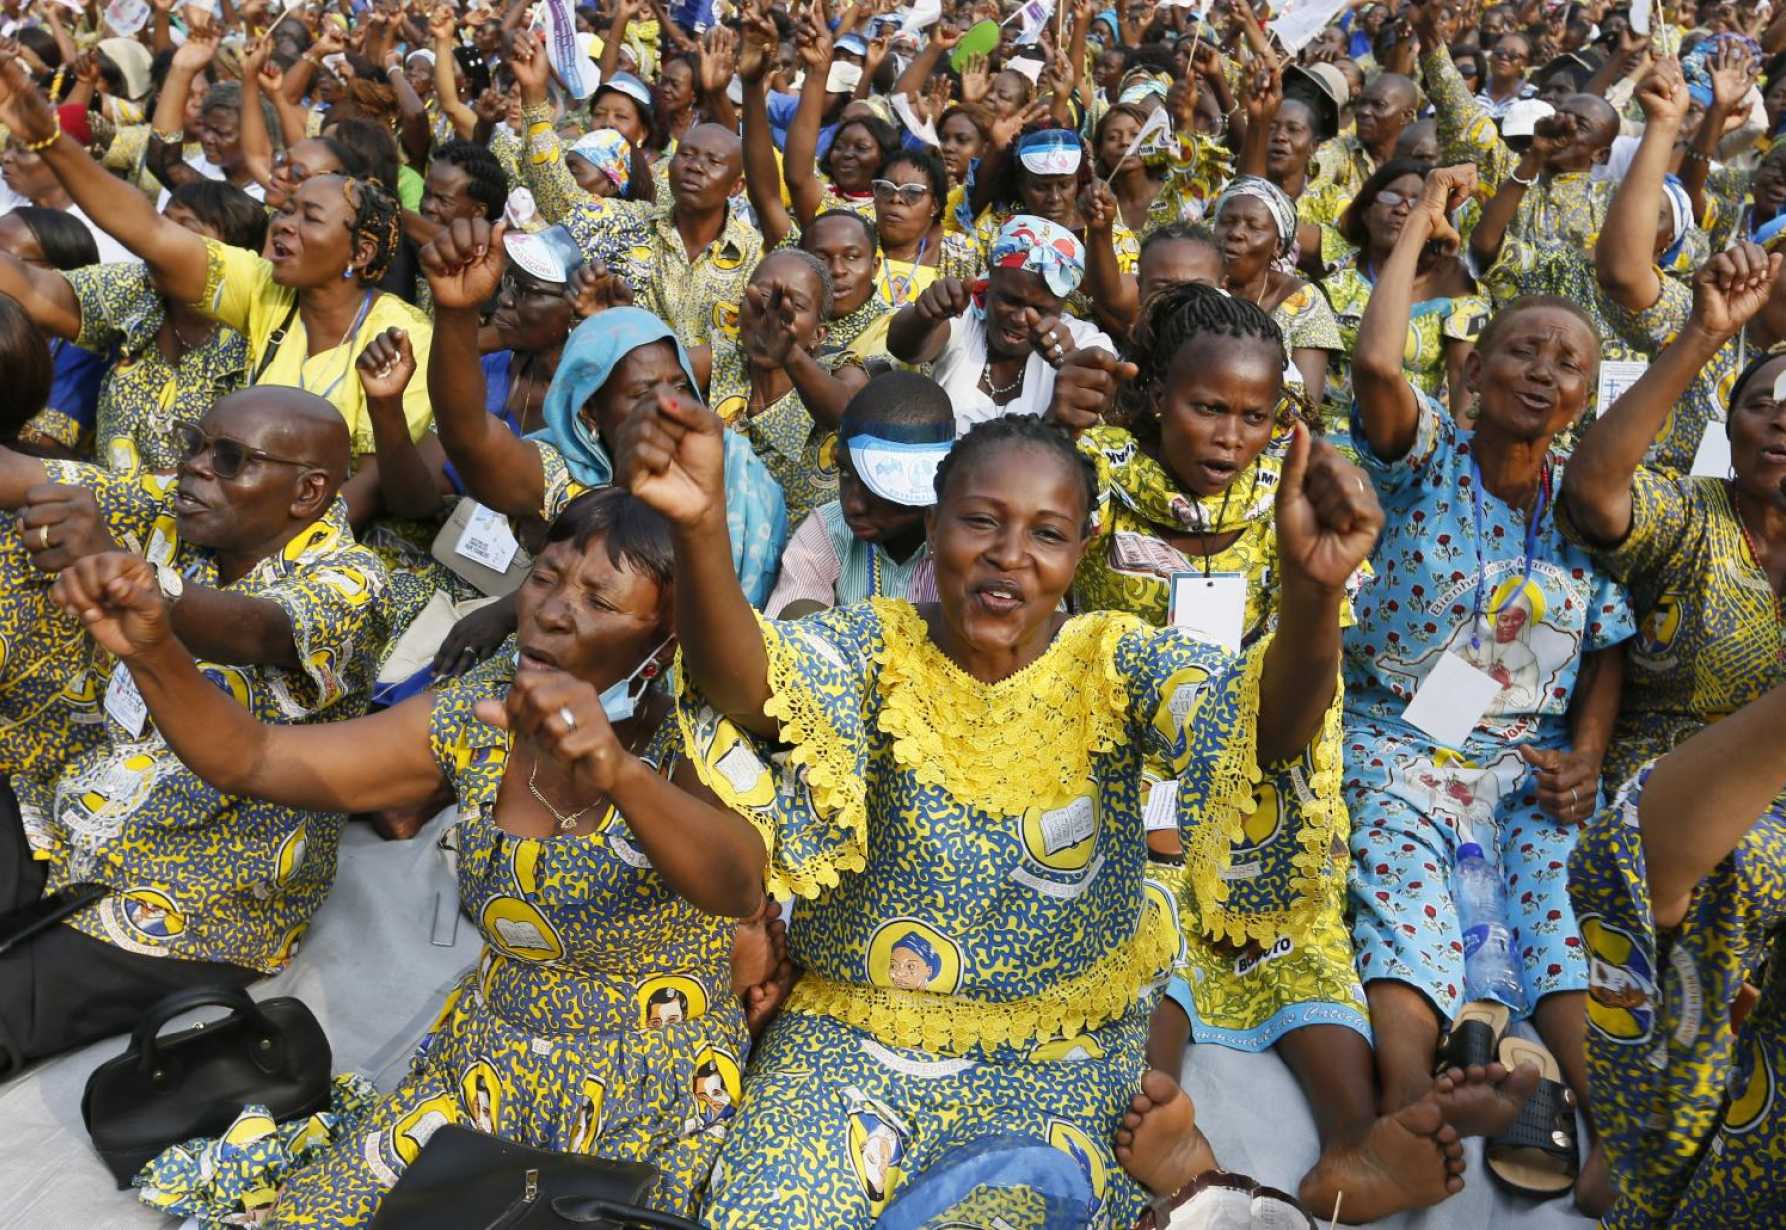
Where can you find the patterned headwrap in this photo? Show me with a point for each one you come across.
(608, 152)
(1040, 246)
(1283, 209)
(1139, 83)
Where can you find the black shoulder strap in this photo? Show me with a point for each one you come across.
(275, 340)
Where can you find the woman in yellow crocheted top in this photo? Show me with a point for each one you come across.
(1187, 536)
(953, 793)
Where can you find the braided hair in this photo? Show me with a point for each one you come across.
(377, 217)
(1172, 320)
(1020, 430)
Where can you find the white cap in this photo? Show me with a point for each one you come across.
(843, 77)
(1523, 116)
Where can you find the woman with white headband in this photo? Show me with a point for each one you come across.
(1046, 173)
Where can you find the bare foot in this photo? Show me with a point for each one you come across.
(1594, 1193)
(1158, 1142)
(1484, 1100)
(1408, 1160)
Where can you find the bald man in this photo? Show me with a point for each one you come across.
(1387, 106)
(687, 258)
(283, 610)
(1554, 203)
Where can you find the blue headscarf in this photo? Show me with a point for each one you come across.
(756, 512)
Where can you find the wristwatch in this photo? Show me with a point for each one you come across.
(170, 582)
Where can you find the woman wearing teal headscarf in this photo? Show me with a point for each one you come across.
(618, 361)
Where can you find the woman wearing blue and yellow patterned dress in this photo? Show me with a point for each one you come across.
(603, 1002)
(956, 802)
(1705, 557)
(1680, 892)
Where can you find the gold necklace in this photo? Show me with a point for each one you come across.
(565, 823)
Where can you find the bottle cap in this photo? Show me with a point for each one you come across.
(1469, 850)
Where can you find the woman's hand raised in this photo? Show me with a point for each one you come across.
(1328, 517)
(672, 456)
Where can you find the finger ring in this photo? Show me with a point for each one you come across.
(43, 537)
(1572, 798)
(567, 717)
(1049, 337)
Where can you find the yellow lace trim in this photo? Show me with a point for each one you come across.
(839, 793)
(1209, 845)
(1005, 747)
(953, 1024)
(1323, 820)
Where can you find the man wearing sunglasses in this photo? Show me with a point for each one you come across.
(284, 611)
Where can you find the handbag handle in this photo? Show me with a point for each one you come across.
(588, 1210)
(143, 1039)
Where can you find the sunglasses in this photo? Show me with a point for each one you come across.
(228, 457)
(1389, 200)
(514, 288)
(905, 194)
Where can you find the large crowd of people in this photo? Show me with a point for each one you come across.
(935, 556)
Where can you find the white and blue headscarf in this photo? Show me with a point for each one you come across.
(756, 511)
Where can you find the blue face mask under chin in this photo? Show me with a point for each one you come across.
(621, 700)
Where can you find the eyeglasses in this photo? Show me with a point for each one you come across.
(228, 457)
(1389, 200)
(905, 194)
(514, 288)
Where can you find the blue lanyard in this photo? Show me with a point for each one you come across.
(1482, 556)
(353, 332)
(900, 296)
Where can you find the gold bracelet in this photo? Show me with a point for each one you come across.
(37, 147)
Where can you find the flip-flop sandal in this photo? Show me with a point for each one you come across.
(1474, 1038)
(1537, 1156)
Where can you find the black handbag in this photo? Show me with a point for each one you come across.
(468, 1180)
(162, 1091)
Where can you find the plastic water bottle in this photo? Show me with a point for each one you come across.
(1489, 972)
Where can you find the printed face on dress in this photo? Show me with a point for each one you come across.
(1217, 409)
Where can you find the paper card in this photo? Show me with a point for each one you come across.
(1713, 458)
(1616, 375)
(1300, 20)
(488, 540)
(1211, 608)
(1451, 700)
(124, 704)
(126, 17)
(1640, 17)
(1161, 810)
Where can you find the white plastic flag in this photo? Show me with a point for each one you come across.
(1301, 20)
(1640, 17)
(1154, 134)
(568, 61)
(1033, 18)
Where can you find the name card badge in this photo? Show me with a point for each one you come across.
(1616, 376)
(1713, 458)
(1161, 810)
(488, 540)
(1451, 700)
(124, 704)
(1211, 608)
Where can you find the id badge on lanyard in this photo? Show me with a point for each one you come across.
(1456, 694)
